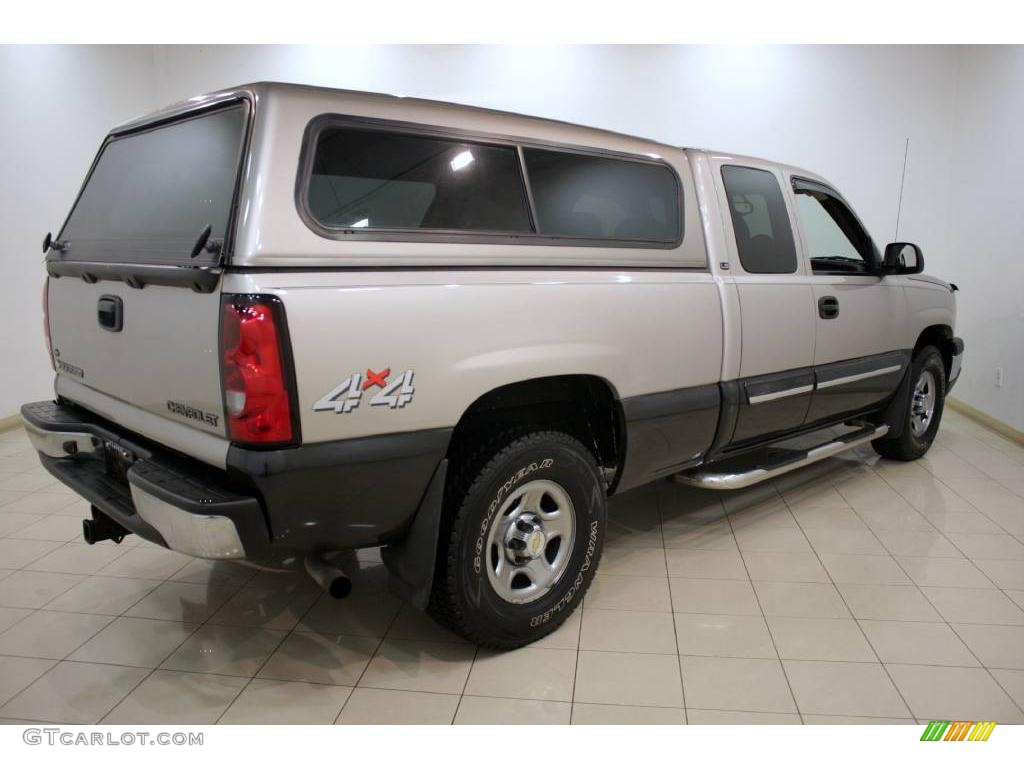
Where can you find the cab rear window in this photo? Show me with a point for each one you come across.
(152, 192)
(764, 238)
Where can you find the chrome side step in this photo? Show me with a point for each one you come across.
(725, 479)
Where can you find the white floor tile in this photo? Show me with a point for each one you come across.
(857, 572)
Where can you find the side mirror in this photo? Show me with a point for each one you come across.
(903, 259)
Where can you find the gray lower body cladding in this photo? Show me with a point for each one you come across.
(757, 410)
(667, 432)
(364, 492)
(346, 494)
(360, 492)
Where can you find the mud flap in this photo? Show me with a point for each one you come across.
(411, 561)
(895, 412)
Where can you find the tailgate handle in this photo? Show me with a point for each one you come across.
(110, 313)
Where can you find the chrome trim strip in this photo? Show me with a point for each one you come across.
(755, 399)
(211, 536)
(858, 377)
(730, 481)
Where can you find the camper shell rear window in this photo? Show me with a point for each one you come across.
(151, 192)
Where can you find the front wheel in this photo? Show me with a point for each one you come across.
(527, 521)
(924, 411)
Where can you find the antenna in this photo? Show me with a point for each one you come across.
(903, 181)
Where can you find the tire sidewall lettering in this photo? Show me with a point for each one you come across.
(569, 596)
(476, 607)
(588, 519)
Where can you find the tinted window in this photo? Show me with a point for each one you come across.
(151, 193)
(835, 239)
(603, 198)
(364, 179)
(764, 238)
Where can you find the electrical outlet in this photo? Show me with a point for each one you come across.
(999, 377)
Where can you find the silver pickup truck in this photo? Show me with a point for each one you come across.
(292, 319)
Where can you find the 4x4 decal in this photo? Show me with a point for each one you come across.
(346, 396)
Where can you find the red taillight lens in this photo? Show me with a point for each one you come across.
(46, 320)
(256, 394)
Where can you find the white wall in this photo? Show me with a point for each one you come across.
(58, 103)
(843, 112)
(986, 228)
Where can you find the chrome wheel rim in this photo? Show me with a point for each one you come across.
(530, 542)
(922, 404)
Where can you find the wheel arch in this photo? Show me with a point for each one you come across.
(941, 337)
(894, 414)
(585, 406)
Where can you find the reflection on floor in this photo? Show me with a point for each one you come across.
(857, 591)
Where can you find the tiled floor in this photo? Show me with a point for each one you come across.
(857, 591)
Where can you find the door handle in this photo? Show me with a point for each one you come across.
(828, 307)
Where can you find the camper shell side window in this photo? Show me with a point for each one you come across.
(373, 180)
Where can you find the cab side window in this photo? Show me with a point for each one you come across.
(764, 238)
(836, 241)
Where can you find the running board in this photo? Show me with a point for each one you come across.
(780, 462)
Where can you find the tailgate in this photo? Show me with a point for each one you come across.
(162, 360)
(134, 316)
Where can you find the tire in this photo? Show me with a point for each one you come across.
(927, 387)
(526, 524)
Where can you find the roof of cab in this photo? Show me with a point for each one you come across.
(785, 169)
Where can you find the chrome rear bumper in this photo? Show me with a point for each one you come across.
(60, 444)
(176, 503)
(211, 536)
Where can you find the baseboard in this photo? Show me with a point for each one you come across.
(10, 422)
(985, 420)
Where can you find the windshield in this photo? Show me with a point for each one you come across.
(151, 193)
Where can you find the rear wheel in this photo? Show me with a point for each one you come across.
(924, 411)
(527, 520)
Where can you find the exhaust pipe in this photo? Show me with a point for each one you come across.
(330, 577)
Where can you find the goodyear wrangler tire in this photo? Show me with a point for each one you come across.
(924, 409)
(527, 525)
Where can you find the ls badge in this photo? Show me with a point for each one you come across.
(346, 396)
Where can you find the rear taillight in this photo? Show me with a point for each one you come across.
(257, 395)
(46, 320)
